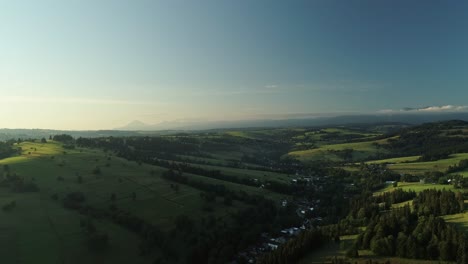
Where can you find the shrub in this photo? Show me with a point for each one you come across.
(9, 206)
(97, 171)
(74, 200)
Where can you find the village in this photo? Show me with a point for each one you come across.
(304, 208)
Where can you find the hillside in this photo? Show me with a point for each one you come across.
(57, 172)
(140, 199)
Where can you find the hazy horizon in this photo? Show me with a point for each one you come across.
(91, 65)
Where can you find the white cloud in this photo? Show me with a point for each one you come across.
(428, 109)
(444, 108)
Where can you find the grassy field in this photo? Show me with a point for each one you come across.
(395, 160)
(346, 131)
(463, 173)
(39, 229)
(422, 167)
(327, 253)
(249, 174)
(263, 133)
(460, 220)
(361, 150)
(402, 204)
(415, 186)
(321, 136)
(218, 162)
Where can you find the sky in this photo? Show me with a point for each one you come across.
(101, 64)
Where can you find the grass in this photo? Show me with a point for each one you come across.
(403, 204)
(345, 131)
(39, 229)
(422, 167)
(460, 220)
(242, 134)
(415, 186)
(219, 162)
(462, 173)
(216, 161)
(395, 160)
(327, 253)
(362, 150)
(248, 173)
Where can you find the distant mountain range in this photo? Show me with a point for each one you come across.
(138, 128)
(6, 133)
(408, 118)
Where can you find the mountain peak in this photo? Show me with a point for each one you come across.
(136, 123)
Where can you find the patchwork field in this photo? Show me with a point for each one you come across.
(415, 186)
(422, 167)
(360, 150)
(248, 173)
(395, 160)
(332, 250)
(39, 227)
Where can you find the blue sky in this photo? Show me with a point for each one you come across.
(101, 64)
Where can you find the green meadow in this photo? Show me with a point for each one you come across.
(41, 228)
(422, 167)
(333, 250)
(395, 160)
(415, 186)
(248, 173)
(460, 220)
(361, 150)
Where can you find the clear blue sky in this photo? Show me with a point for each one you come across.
(101, 64)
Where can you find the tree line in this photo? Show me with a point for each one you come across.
(217, 174)
(215, 189)
(406, 234)
(438, 202)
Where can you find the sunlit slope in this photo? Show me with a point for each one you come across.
(422, 167)
(460, 220)
(40, 228)
(334, 152)
(395, 160)
(415, 186)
